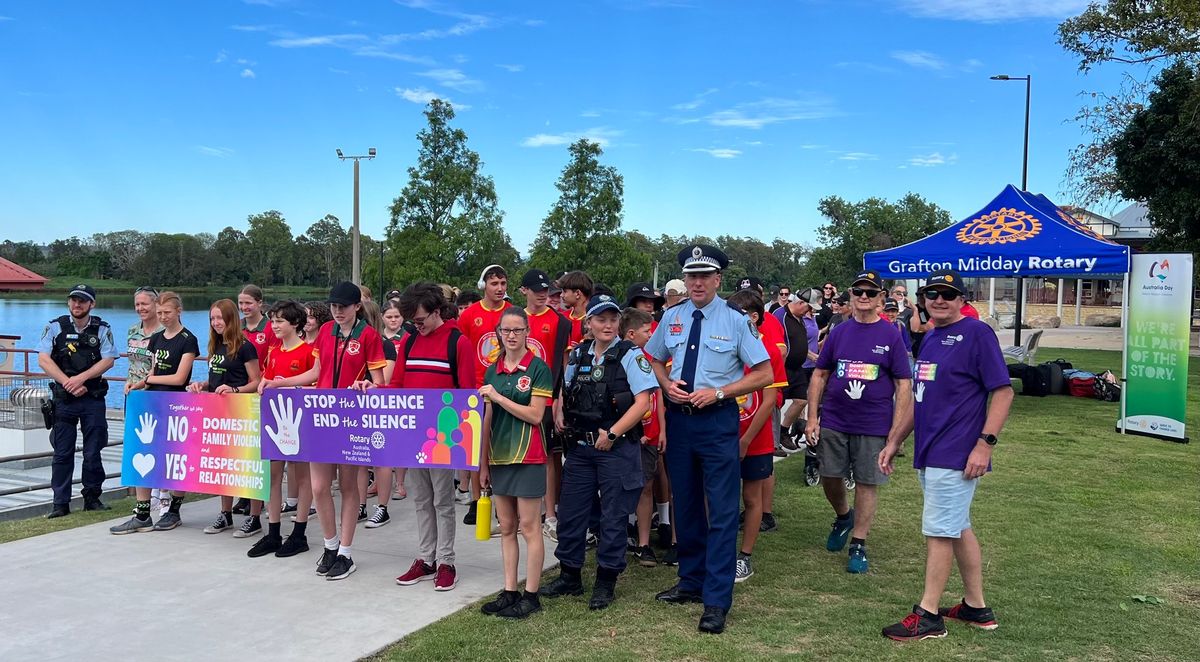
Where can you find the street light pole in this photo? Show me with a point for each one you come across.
(1024, 187)
(355, 234)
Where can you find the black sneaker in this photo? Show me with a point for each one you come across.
(527, 605)
(224, 522)
(645, 557)
(379, 518)
(292, 545)
(918, 625)
(362, 512)
(768, 523)
(328, 556)
(469, 518)
(249, 528)
(342, 568)
(671, 557)
(503, 600)
(267, 544)
(242, 507)
(562, 585)
(980, 617)
(289, 509)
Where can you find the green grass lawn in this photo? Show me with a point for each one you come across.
(36, 526)
(1075, 520)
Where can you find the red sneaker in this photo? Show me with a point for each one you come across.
(419, 572)
(447, 579)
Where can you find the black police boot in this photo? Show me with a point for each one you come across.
(568, 583)
(602, 594)
(94, 503)
(59, 511)
(713, 620)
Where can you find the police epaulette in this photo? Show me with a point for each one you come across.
(677, 303)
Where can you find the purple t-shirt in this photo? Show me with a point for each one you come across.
(810, 326)
(862, 360)
(958, 367)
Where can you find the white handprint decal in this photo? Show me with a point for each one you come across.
(287, 438)
(920, 391)
(856, 389)
(145, 433)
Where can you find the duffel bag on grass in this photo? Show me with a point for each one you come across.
(1082, 387)
(1106, 387)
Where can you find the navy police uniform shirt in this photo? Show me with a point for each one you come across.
(727, 344)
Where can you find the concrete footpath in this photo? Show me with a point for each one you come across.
(84, 594)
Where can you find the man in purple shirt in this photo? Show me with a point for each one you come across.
(962, 396)
(863, 378)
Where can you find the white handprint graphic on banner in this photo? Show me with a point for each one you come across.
(287, 419)
(145, 430)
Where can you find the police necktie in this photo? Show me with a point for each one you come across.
(691, 352)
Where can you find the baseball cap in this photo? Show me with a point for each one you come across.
(871, 277)
(750, 283)
(535, 280)
(947, 278)
(392, 294)
(812, 297)
(600, 303)
(702, 259)
(82, 291)
(674, 286)
(891, 304)
(345, 293)
(642, 291)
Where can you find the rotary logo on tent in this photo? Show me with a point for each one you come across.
(1003, 226)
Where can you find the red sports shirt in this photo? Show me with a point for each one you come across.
(650, 427)
(576, 330)
(351, 357)
(478, 323)
(764, 442)
(284, 363)
(262, 337)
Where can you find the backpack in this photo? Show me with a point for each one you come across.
(1035, 379)
(1106, 387)
(451, 352)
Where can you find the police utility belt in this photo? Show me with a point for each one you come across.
(692, 410)
(593, 438)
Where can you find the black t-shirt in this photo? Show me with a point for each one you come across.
(166, 353)
(797, 341)
(389, 354)
(230, 370)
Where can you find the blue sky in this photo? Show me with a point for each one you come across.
(723, 117)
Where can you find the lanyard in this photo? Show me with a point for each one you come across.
(339, 357)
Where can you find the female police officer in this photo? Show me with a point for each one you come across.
(607, 391)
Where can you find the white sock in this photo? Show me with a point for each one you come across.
(344, 551)
(332, 543)
(664, 512)
(292, 502)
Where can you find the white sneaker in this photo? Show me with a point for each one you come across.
(550, 528)
(462, 498)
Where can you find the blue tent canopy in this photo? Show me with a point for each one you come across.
(1018, 234)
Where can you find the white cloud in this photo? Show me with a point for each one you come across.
(251, 28)
(512, 68)
(247, 73)
(334, 70)
(423, 96)
(931, 160)
(217, 152)
(243, 61)
(318, 40)
(453, 79)
(920, 59)
(720, 152)
(857, 156)
(696, 102)
(375, 51)
(221, 57)
(600, 135)
(757, 114)
(991, 11)
(590, 113)
(467, 23)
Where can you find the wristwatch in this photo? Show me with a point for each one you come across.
(720, 394)
(611, 436)
(990, 439)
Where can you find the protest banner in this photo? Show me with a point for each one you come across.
(415, 428)
(194, 442)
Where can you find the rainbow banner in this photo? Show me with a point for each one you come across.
(416, 428)
(194, 442)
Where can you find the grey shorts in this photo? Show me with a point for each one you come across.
(649, 462)
(839, 451)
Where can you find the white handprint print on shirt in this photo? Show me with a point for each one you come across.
(287, 438)
(920, 395)
(856, 389)
(145, 431)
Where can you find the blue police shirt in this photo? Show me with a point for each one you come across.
(637, 370)
(727, 344)
(108, 349)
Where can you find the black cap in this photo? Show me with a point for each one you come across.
(392, 294)
(702, 259)
(601, 303)
(345, 293)
(871, 277)
(947, 278)
(891, 304)
(750, 283)
(642, 291)
(535, 280)
(843, 298)
(82, 291)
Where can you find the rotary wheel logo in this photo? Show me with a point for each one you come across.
(1003, 226)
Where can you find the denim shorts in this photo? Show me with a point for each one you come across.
(948, 496)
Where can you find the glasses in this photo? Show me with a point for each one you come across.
(860, 292)
(830, 287)
(419, 321)
(934, 295)
(147, 289)
(513, 332)
(785, 294)
(900, 293)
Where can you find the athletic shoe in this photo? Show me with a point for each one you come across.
(312, 513)
(664, 535)
(419, 572)
(267, 544)
(164, 506)
(503, 599)
(744, 569)
(378, 518)
(522, 608)
(981, 617)
(840, 533)
(645, 557)
(223, 522)
(462, 498)
(779, 452)
(918, 625)
(134, 525)
(343, 567)
(250, 528)
(788, 442)
(168, 522)
(242, 507)
(289, 509)
(397, 496)
(469, 518)
(591, 540)
(768, 523)
(292, 545)
(671, 557)
(550, 528)
(362, 512)
(857, 564)
(328, 556)
(446, 579)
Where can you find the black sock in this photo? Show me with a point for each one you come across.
(299, 528)
(273, 529)
(858, 541)
(746, 554)
(142, 510)
(843, 518)
(176, 503)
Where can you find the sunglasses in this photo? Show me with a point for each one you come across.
(147, 289)
(934, 295)
(860, 292)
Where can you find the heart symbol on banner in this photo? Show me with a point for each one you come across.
(143, 463)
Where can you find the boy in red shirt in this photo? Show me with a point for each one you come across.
(577, 289)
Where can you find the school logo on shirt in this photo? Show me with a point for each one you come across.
(488, 349)
(747, 405)
(260, 339)
(353, 348)
(523, 383)
(478, 321)
(536, 347)
(294, 366)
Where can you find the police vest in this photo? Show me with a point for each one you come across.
(75, 352)
(599, 395)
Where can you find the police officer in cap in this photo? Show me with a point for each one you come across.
(76, 350)
(709, 344)
(607, 392)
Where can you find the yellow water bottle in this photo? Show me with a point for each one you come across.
(483, 516)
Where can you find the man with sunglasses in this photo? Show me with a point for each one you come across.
(865, 383)
(781, 299)
(962, 398)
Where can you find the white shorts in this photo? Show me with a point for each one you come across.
(948, 496)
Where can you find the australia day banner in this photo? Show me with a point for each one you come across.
(194, 442)
(1156, 358)
(415, 428)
